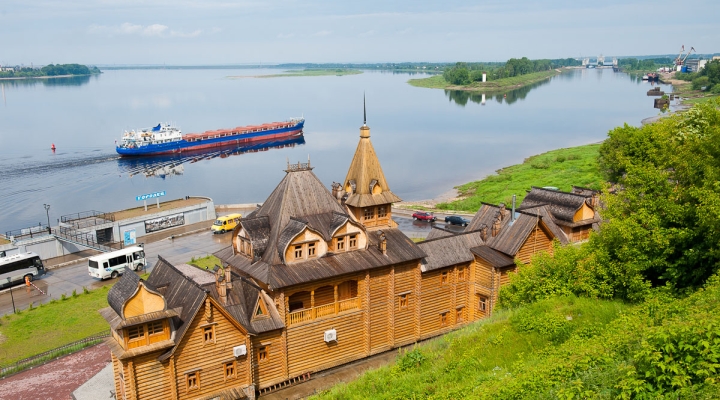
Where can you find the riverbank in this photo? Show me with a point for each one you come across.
(500, 85)
(560, 168)
(17, 78)
(305, 72)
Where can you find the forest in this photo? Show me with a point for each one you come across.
(465, 73)
(50, 70)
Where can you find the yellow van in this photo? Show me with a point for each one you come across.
(225, 223)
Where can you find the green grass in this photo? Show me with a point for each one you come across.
(208, 262)
(561, 168)
(500, 85)
(455, 365)
(314, 72)
(52, 325)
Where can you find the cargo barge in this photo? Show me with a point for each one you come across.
(168, 139)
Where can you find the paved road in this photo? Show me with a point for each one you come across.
(74, 277)
(180, 250)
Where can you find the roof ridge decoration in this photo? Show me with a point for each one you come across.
(299, 166)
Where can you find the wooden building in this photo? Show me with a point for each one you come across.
(573, 212)
(313, 279)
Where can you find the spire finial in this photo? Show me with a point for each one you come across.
(364, 111)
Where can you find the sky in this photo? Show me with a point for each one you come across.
(192, 32)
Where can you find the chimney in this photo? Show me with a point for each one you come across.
(503, 212)
(228, 278)
(337, 191)
(382, 244)
(483, 233)
(220, 284)
(496, 226)
(512, 216)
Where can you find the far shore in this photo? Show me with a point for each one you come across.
(15, 78)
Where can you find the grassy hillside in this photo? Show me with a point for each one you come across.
(499, 85)
(564, 348)
(561, 168)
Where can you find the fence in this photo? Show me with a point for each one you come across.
(87, 218)
(46, 356)
(33, 231)
(86, 239)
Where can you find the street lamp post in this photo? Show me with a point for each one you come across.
(47, 212)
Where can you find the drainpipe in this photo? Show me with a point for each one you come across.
(512, 217)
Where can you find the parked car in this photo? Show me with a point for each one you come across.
(424, 216)
(456, 220)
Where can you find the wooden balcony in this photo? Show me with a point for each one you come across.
(324, 310)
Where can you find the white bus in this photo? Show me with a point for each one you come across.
(14, 268)
(110, 265)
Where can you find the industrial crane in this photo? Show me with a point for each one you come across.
(686, 55)
(680, 60)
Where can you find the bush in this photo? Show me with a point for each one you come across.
(560, 159)
(699, 83)
(85, 290)
(715, 89)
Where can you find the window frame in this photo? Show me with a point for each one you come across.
(209, 329)
(227, 366)
(381, 212)
(368, 213)
(460, 315)
(403, 301)
(444, 278)
(298, 248)
(482, 303)
(263, 353)
(192, 376)
(462, 274)
(312, 250)
(444, 319)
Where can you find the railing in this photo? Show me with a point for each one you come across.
(87, 218)
(349, 304)
(50, 354)
(33, 231)
(85, 239)
(324, 310)
(300, 316)
(327, 309)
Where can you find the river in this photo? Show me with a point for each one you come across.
(428, 140)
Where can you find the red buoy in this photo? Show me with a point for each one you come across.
(53, 147)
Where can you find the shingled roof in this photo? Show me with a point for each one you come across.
(485, 217)
(298, 195)
(399, 249)
(449, 250)
(180, 290)
(547, 219)
(364, 173)
(122, 291)
(242, 302)
(562, 205)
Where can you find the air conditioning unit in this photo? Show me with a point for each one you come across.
(331, 335)
(239, 350)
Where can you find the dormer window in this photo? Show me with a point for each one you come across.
(352, 241)
(311, 250)
(340, 244)
(298, 252)
(145, 334)
(382, 212)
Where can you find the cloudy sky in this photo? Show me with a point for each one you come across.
(191, 32)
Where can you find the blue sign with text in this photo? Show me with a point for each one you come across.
(149, 196)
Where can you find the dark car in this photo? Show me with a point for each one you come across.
(424, 216)
(456, 220)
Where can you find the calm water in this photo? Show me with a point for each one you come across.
(428, 140)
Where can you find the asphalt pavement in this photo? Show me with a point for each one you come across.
(59, 281)
(176, 248)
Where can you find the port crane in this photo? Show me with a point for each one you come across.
(680, 60)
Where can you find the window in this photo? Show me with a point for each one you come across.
(136, 332)
(461, 275)
(369, 213)
(155, 328)
(192, 379)
(403, 301)
(230, 370)
(209, 334)
(340, 244)
(444, 278)
(311, 250)
(263, 353)
(459, 315)
(444, 319)
(381, 212)
(298, 252)
(352, 242)
(482, 303)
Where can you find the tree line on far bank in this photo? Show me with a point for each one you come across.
(708, 77)
(465, 73)
(51, 70)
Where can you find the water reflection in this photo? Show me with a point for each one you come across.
(165, 166)
(461, 97)
(65, 81)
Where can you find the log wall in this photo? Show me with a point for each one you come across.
(194, 354)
